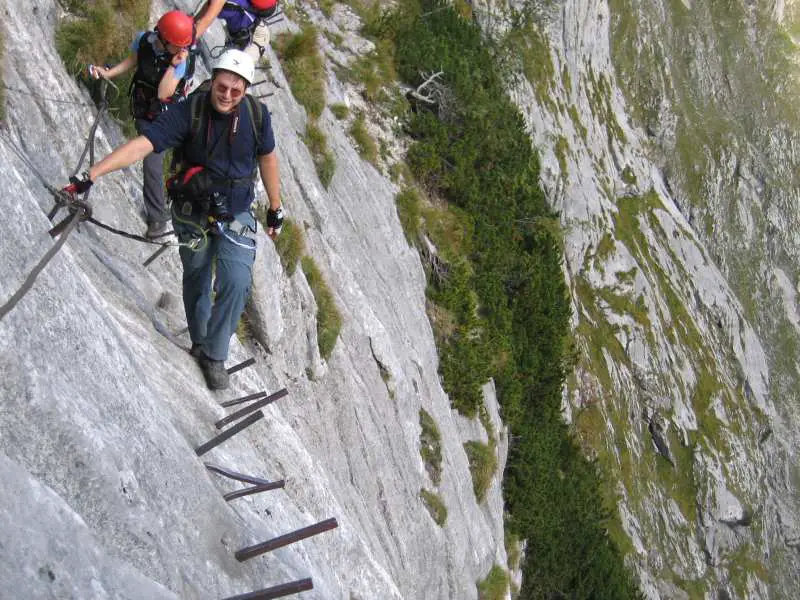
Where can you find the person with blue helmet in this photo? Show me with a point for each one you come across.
(245, 23)
(225, 138)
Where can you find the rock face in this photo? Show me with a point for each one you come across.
(100, 410)
(668, 142)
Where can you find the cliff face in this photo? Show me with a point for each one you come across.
(668, 139)
(100, 410)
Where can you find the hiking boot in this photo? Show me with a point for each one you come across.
(214, 372)
(157, 229)
(196, 350)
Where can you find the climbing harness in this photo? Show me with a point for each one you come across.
(234, 226)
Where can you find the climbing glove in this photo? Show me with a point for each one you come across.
(275, 219)
(79, 186)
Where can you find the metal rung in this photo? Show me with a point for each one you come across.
(248, 409)
(200, 450)
(236, 476)
(241, 365)
(278, 591)
(257, 489)
(155, 255)
(243, 399)
(285, 540)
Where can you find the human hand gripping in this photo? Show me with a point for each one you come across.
(79, 186)
(97, 72)
(274, 222)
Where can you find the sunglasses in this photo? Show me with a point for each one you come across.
(224, 90)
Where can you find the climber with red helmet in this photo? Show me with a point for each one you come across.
(163, 68)
(245, 23)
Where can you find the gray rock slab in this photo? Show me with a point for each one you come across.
(48, 551)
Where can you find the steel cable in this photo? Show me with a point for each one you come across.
(64, 229)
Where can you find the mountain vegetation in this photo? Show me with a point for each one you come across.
(504, 295)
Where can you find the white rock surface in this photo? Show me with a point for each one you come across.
(101, 411)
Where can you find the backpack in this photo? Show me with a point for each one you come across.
(264, 13)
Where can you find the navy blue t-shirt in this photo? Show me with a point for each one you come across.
(228, 161)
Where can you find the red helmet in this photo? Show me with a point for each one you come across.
(176, 28)
(263, 5)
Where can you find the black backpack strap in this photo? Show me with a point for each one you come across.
(256, 114)
(199, 110)
(198, 107)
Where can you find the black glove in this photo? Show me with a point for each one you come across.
(275, 219)
(79, 186)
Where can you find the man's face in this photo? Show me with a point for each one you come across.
(227, 91)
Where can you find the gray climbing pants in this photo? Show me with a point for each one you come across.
(155, 208)
(257, 42)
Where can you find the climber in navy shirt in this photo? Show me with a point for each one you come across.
(222, 147)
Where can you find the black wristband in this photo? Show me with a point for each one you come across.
(275, 218)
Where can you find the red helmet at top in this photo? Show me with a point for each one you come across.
(264, 6)
(176, 28)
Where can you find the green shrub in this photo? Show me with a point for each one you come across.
(409, 213)
(367, 148)
(315, 139)
(430, 446)
(628, 176)
(400, 173)
(513, 549)
(435, 505)
(326, 167)
(244, 330)
(334, 38)
(290, 245)
(340, 111)
(482, 466)
(374, 71)
(329, 320)
(372, 16)
(102, 33)
(304, 68)
(76, 7)
(317, 143)
(495, 586)
(326, 6)
(450, 228)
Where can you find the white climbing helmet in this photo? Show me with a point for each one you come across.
(238, 62)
